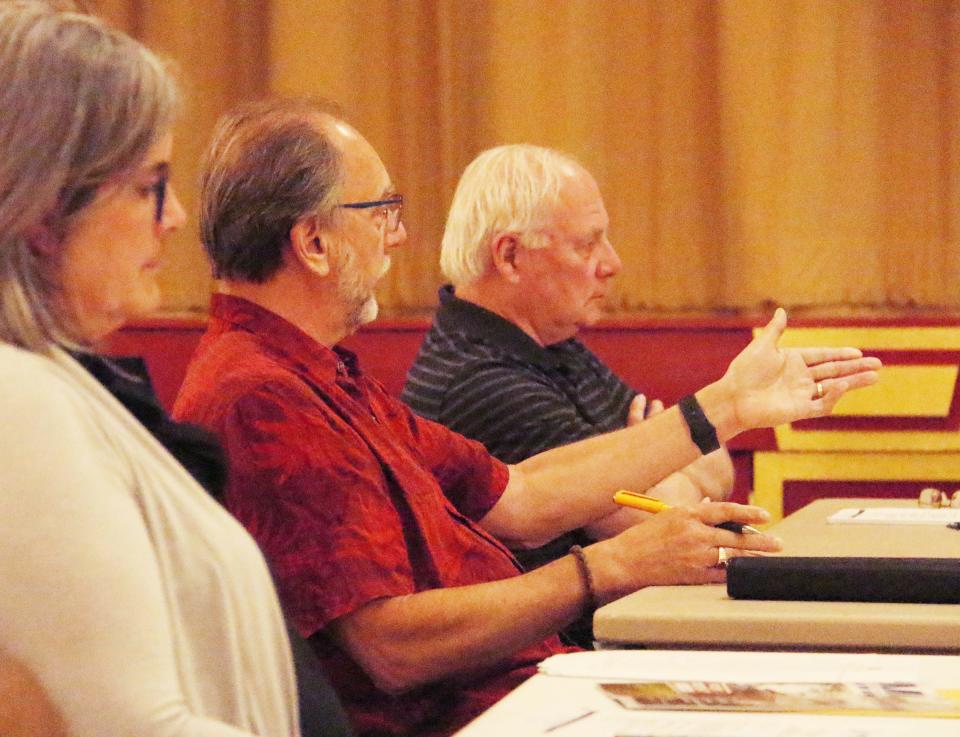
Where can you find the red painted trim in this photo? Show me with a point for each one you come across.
(797, 494)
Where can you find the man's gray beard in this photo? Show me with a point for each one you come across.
(364, 313)
(363, 304)
(365, 307)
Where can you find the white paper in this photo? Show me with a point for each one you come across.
(895, 516)
(761, 725)
(724, 665)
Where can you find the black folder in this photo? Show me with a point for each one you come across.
(918, 580)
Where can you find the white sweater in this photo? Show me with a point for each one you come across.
(142, 607)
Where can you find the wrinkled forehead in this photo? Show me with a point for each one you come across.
(365, 177)
(580, 205)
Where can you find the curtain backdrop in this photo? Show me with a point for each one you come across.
(799, 152)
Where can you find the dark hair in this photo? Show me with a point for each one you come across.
(269, 164)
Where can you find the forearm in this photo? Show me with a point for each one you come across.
(573, 485)
(677, 490)
(712, 475)
(406, 641)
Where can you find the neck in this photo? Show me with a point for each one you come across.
(310, 306)
(499, 298)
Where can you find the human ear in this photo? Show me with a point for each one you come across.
(42, 238)
(503, 251)
(310, 245)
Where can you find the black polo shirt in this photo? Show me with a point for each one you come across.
(482, 376)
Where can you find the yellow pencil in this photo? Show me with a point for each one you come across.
(653, 505)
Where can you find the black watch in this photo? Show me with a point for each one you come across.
(702, 432)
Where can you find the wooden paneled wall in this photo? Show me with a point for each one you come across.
(802, 152)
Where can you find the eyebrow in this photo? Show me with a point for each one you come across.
(161, 168)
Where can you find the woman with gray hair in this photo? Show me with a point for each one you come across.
(140, 606)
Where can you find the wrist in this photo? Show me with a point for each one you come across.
(720, 408)
(591, 602)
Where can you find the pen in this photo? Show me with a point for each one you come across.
(649, 504)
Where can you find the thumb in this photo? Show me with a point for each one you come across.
(774, 329)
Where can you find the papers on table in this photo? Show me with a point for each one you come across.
(884, 698)
(566, 700)
(895, 516)
(758, 725)
(734, 667)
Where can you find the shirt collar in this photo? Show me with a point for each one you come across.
(479, 324)
(283, 338)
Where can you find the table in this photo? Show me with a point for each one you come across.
(704, 617)
(563, 700)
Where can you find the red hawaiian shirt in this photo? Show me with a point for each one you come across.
(352, 498)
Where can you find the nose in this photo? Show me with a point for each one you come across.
(609, 264)
(174, 216)
(397, 237)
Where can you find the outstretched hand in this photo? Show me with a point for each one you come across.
(771, 385)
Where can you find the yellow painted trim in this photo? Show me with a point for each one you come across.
(905, 338)
(904, 391)
(772, 469)
(919, 441)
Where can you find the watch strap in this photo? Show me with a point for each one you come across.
(702, 432)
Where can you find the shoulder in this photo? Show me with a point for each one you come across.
(43, 398)
(33, 379)
(453, 348)
(223, 371)
(16, 362)
(444, 359)
(488, 394)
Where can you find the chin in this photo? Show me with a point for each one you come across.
(145, 302)
(364, 313)
(589, 319)
(369, 311)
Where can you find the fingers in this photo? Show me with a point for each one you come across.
(713, 513)
(835, 389)
(731, 553)
(679, 546)
(819, 354)
(753, 542)
(833, 369)
(638, 410)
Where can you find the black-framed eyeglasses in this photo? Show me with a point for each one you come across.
(390, 208)
(159, 189)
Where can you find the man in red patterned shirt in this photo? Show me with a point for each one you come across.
(385, 531)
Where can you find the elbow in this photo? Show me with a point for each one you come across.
(531, 539)
(522, 522)
(393, 677)
(390, 666)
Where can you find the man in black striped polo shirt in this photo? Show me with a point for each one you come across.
(526, 246)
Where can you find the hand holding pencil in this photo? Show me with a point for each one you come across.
(677, 545)
(653, 505)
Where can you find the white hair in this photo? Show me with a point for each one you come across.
(507, 189)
